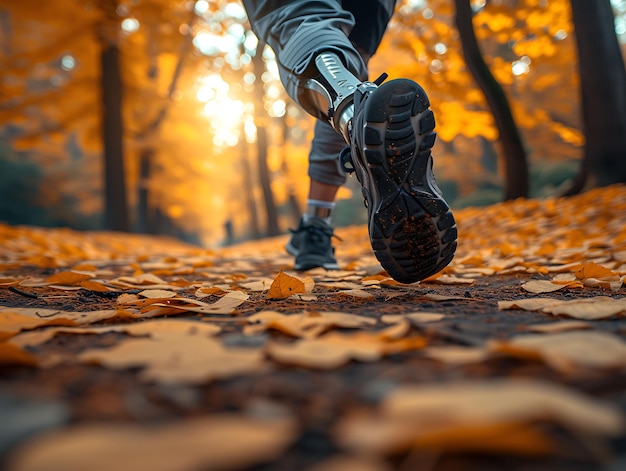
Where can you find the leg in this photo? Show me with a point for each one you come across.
(300, 33)
(311, 241)
(389, 129)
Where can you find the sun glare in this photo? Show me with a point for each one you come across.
(225, 114)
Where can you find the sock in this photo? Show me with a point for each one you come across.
(318, 208)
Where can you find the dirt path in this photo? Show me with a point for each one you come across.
(372, 375)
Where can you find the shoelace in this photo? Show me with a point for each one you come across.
(316, 231)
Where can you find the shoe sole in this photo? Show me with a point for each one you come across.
(306, 264)
(412, 231)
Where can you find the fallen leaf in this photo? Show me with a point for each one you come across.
(416, 318)
(157, 294)
(396, 330)
(450, 280)
(356, 293)
(259, 285)
(94, 286)
(285, 285)
(490, 415)
(600, 307)
(55, 316)
(68, 278)
(12, 355)
(209, 291)
(528, 304)
(5, 282)
(593, 270)
(334, 350)
(561, 326)
(224, 305)
(12, 322)
(151, 328)
(606, 284)
(306, 324)
(178, 359)
(224, 441)
(547, 286)
(568, 352)
(456, 355)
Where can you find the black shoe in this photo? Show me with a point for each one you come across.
(412, 231)
(310, 243)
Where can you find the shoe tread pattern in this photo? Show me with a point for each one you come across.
(412, 230)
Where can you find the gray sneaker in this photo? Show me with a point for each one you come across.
(411, 228)
(310, 243)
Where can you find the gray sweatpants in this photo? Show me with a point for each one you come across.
(297, 30)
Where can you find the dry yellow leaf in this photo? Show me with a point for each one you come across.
(593, 270)
(528, 304)
(450, 280)
(157, 294)
(568, 352)
(285, 285)
(334, 350)
(64, 317)
(224, 305)
(151, 328)
(561, 326)
(599, 307)
(416, 318)
(68, 278)
(12, 322)
(457, 355)
(356, 293)
(209, 291)
(547, 286)
(12, 355)
(305, 324)
(396, 330)
(258, 285)
(187, 359)
(606, 283)
(224, 441)
(452, 415)
(4, 282)
(94, 286)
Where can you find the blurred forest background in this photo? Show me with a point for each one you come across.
(168, 117)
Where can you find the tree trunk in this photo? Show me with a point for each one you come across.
(145, 206)
(146, 223)
(262, 145)
(116, 203)
(603, 95)
(248, 185)
(266, 182)
(292, 202)
(516, 167)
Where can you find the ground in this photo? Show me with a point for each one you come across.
(121, 351)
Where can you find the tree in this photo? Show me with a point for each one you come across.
(260, 121)
(529, 50)
(516, 168)
(115, 200)
(603, 95)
